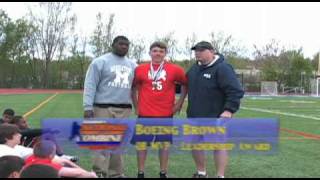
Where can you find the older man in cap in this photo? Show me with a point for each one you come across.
(214, 92)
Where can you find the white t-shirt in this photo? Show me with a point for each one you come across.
(18, 150)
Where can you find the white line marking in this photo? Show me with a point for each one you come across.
(281, 113)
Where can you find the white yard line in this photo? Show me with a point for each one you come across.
(281, 113)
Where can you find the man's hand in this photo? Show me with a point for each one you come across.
(226, 114)
(88, 114)
(177, 108)
(136, 111)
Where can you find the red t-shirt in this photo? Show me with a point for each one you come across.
(157, 100)
(43, 161)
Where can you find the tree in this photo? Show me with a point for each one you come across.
(225, 44)
(4, 61)
(316, 63)
(137, 49)
(300, 68)
(79, 58)
(271, 50)
(190, 42)
(14, 49)
(34, 63)
(52, 21)
(286, 66)
(171, 43)
(101, 40)
(272, 66)
(4, 21)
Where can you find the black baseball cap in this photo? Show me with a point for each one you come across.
(202, 45)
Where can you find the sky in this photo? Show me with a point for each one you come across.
(294, 24)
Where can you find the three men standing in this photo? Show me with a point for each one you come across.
(113, 83)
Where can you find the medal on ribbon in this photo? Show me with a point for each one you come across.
(155, 75)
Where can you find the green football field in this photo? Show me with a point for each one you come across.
(299, 142)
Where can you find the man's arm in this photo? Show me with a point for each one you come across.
(64, 162)
(134, 91)
(232, 89)
(31, 133)
(134, 96)
(181, 78)
(178, 105)
(90, 86)
(76, 173)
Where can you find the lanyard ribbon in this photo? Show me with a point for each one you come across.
(155, 74)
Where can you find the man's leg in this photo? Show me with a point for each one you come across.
(101, 160)
(199, 158)
(221, 161)
(100, 164)
(141, 159)
(165, 143)
(116, 166)
(164, 160)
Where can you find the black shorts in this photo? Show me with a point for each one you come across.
(151, 138)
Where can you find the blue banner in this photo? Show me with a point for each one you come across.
(237, 135)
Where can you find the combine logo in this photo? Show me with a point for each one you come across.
(101, 135)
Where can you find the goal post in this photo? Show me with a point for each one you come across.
(315, 87)
(269, 88)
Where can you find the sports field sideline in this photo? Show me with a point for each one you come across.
(299, 146)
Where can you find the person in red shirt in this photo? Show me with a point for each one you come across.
(44, 153)
(154, 90)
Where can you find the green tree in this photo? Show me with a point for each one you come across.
(300, 69)
(172, 44)
(79, 60)
(53, 20)
(286, 66)
(102, 37)
(137, 49)
(189, 43)
(225, 44)
(316, 63)
(268, 60)
(14, 49)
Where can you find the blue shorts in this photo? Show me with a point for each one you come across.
(152, 138)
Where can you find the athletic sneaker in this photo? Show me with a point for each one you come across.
(101, 175)
(118, 176)
(140, 174)
(163, 174)
(197, 175)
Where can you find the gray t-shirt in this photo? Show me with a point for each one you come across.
(108, 81)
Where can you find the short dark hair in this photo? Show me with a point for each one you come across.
(39, 171)
(159, 44)
(9, 165)
(7, 131)
(44, 149)
(9, 112)
(16, 119)
(118, 38)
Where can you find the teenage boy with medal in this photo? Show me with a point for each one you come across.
(154, 86)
